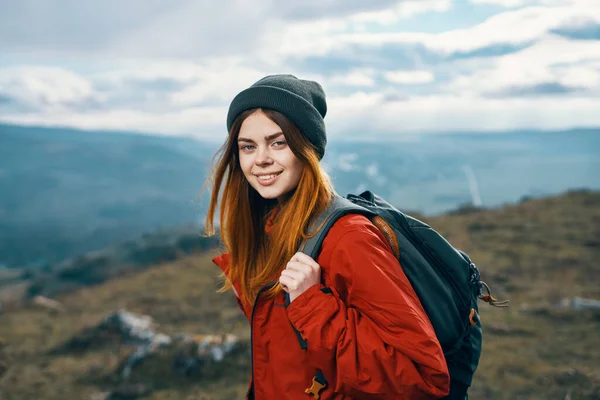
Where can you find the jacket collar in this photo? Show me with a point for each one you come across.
(271, 219)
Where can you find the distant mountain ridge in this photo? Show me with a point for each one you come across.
(65, 192)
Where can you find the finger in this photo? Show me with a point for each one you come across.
(288, 284)
(295, 275)
(300, 256)
(298, 266)
(306, 259)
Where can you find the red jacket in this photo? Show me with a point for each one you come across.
(364, 326)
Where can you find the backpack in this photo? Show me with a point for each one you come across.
(444, 278)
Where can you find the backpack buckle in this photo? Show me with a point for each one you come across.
(317, 386)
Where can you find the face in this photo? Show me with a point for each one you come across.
(266, 160)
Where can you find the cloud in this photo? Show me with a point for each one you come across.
(442, 113)
(72, 25)
(179, 28)
(157, 86)
(45, 87)
(579, 29)
(328, 46)
(402, 10)
(581, 4)
(5, 100)
(493, 50)
(317, 9)
(409, 77)
(136, 28)
(554, 62)
(202, 122)
(210, 82)
(358, 115)
(354, 78)
(540, 89)
(505, 3)
(382, 57)
(446, 55)
(174, 68)
(511, 29)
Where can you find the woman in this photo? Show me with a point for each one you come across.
(351, 326)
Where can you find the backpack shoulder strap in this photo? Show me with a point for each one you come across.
(320, 225)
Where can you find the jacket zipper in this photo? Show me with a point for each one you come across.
(252, 384)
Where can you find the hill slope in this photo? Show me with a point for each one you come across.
(535, 253)
(65, 192)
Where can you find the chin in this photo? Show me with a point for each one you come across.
(271, 193)
(268, 194)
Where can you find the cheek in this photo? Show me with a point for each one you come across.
(298, 169)
(245, 163)
(292, 163)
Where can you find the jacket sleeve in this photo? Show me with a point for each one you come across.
(222, 262)
(378, 343)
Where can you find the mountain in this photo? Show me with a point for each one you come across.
(541, 254)
(65, 192)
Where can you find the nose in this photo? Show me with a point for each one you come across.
(263, 156)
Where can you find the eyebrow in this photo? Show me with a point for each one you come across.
(269, 137)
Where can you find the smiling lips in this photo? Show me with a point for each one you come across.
(267, 179)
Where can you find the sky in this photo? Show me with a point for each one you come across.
(387, 67)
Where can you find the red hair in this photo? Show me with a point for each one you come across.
(255, 257)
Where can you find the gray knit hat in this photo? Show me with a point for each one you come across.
(301, 101)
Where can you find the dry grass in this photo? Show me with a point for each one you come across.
(181, 297)
(533, 253)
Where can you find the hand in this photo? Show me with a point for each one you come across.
(301, 273)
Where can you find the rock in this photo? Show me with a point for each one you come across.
(129, 391)
(572, 378)
(136, 329)
(566, 309)
(215, 346)
(201, 349)
(579, 303)
(136, 357)
(568, 396)
(121, 327)
(46, 303)
(100, 396)
(188, 352)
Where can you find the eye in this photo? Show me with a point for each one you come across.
(247, 147)
(279, 143)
